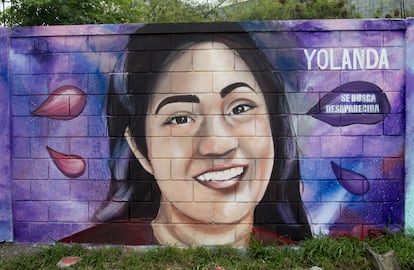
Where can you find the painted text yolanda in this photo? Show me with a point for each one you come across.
(347, 59)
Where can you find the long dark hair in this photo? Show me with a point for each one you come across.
(134, 193)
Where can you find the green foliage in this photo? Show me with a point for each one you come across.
(392, 9)
(66, 12)
(330, 253)
(397, 13)
(275, 257)
(402, 244)
(293, 9)
(162, 11)
(55, 12)
(325, 252)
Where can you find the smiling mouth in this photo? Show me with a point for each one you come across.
(221, 175)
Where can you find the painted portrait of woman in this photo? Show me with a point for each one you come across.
(202, 146)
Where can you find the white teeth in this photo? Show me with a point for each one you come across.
(221, 175)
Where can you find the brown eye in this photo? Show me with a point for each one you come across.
(242, 108)
(179, 120)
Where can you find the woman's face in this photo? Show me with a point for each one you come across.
(209, 141)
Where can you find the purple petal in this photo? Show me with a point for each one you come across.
(64, 103)
(352, 103)
(353, 182)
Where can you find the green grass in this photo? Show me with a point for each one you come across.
(325, 252)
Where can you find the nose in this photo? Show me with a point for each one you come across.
(217, 146)
(217, 138)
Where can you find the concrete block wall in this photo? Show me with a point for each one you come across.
(6, 230)
(345, 83)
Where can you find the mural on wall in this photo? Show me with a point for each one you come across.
(204, 137)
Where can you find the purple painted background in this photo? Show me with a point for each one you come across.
(47, 205)
(5, 181)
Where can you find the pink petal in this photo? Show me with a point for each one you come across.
(70, 165)
(68, 261)
(64, 103)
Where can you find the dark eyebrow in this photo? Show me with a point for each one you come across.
(227, 90)
(173, 99)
